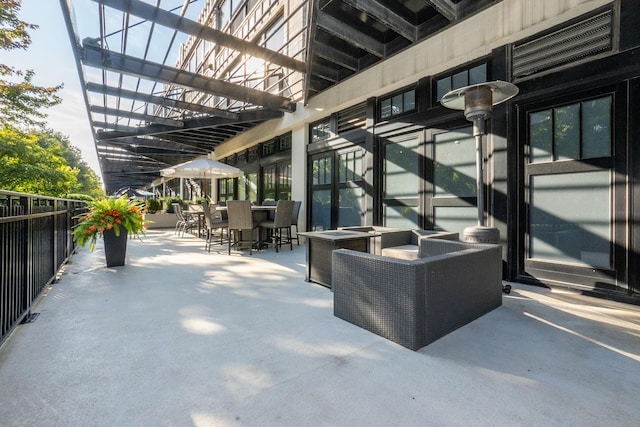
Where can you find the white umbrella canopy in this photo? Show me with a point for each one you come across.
(201, 168)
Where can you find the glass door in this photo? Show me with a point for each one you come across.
(401, 180)
(452, 196)
(574, 223)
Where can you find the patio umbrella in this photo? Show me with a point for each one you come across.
(201, 168)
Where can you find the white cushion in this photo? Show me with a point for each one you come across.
(401, 252)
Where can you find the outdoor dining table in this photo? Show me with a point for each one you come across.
(320, 249)
(259, 213)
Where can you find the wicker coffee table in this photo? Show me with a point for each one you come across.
(321, 245)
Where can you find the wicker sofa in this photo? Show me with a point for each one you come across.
(415, 302)
(398, 242)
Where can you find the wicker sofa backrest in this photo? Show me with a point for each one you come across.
(429, 247)
(414, 302)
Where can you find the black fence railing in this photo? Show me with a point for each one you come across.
(35, 241)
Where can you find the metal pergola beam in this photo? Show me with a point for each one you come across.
(347, 33)
(335, 56)
(173, 21)
(95, 56)
(386, 16)
(159, 100)
(192, 124)
(446, 8)
(136, 116)
(155, 143)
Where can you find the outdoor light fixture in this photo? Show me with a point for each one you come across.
(477, 101)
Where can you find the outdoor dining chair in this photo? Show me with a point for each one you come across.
(241, 224)
(211, 224)
(294, 220)
(281, 223)
(184, 223)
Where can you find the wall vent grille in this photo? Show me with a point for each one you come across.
(352, 118)
(570, 44)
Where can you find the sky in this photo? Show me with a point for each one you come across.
(51, 57)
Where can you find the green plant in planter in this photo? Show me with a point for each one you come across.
(109, 214)
(168, 203)
(154, 205)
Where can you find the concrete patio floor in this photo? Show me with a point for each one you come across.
(181, 337)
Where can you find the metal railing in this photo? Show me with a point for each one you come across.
(35, 241)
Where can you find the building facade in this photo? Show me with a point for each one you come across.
(562, 168)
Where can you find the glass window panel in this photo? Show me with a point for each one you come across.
(252, 187)
(269, 183)
(396, 105)
(224, 14)
(455, 164)
(242, 188)
(454, 218)
(460, 79)
(320, 130)
(409, 101)
(358, 172)
(385, 108)
(443, 86)
(321, 210)
(540, 136)
(570, 218)
(401, 169)
(275, 36)
(284, 182)
(567, 132)
(342, 168)
(322, 171)
(596, 128)
(478, 74)
(401, 216)
(350, 206)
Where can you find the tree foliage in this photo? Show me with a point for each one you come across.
(21, 100)
(37, 161)
(44, 163)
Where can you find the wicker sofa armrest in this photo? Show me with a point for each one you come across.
(460, 287)
(380, 294)
(385, 236)
(414, 302)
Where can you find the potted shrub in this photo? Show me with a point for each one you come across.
(113, 219)
(153, 206)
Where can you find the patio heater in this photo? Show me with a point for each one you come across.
(477, 102)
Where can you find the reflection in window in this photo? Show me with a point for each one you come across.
(274, 35)
(570, 218)
(225, 189)
(401, 174)
(252, 187)
(284, 181)
(455, 164)
(540, 136)
(269, 183)
(471, 76)
(350, 166)
(321, 170)
(401, 216)
(576, 131)
(320, 130)
(596, 128)
(454, 218)
(567, 132)
(351, 211)
(398, 104)
(321, 210)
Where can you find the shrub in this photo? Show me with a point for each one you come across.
(169, 200)
(154, 205)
